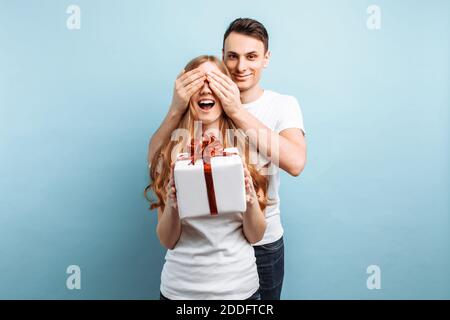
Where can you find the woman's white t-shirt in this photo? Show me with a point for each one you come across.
(211, 260)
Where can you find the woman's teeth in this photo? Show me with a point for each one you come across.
(206, 104)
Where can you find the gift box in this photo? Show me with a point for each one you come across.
(209, 181)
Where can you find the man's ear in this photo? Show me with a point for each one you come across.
(266, 59)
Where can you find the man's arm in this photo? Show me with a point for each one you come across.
(169, 124)
(291, 146)
(287, 149)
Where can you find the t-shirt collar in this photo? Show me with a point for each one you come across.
(257, 101)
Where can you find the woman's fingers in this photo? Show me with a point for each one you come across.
(249, 188)
(170, 189)
(172, 168)
(248, 181)
(172, 183)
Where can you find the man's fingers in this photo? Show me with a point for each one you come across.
(189, 73)
(190, 76)
(195, 85)
(223, 76)
(191, 79)
(180, 74)
(226, 93)
(223, 85)
(216, 90)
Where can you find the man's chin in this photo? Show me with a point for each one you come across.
(244, 86)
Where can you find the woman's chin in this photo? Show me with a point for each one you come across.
(207, 117)
(208, 120)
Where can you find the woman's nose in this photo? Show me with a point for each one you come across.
(205, 89)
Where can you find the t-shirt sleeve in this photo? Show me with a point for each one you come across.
(290, 115)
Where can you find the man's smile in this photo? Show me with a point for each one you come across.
(242, 77)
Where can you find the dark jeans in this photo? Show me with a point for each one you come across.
(270, 263)
(255, 296)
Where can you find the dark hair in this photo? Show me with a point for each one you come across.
(249, 27)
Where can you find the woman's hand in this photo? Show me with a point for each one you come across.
(171, 198)
(254, 223)
(250, 192)
(186, 85)
(169, 225)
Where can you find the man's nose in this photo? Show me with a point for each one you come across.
(241, 65)
(205, 89)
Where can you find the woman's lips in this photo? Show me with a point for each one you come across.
(206, 104)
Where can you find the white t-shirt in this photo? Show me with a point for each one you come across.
(277, 112)
(211, 260)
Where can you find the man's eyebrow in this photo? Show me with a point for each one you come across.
(251, 52)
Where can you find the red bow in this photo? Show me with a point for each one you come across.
(208, 148)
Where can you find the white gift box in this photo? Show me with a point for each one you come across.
(228, 180)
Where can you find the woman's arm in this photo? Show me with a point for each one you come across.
(169, 225)
(254, 219)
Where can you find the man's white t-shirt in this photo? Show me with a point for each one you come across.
(277, 112)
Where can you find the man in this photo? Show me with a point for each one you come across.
(259, 113)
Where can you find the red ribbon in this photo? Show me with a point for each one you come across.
(206, 149)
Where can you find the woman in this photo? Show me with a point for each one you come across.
(208, 257)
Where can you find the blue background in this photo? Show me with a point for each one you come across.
(77, 108)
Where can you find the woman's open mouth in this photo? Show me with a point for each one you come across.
(206, 104)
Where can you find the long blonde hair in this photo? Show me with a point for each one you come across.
(160, 165)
